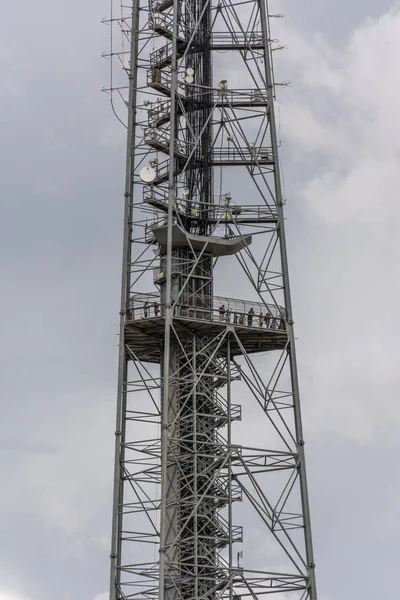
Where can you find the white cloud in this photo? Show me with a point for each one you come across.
(104, 596)
(344, 104)
(341, 128)
(11, 595)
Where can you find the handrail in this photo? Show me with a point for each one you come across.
(217, 309)
(231, 152)
(216, 212)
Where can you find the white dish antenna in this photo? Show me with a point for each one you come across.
(185, 191)
(190, 71)
(189, 78)
(147, 174)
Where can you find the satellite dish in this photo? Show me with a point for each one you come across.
(147, 174)
(185, 191)
(189, 79)
(190, 71)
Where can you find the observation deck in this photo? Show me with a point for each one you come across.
(145, 325)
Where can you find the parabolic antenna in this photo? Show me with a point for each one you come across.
(190, 71)
(189, 79)
(185, 191)
(147, 174)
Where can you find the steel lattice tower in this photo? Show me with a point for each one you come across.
(209, 435)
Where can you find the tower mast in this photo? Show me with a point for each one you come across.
(210, 490)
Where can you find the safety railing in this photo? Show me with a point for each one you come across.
(220, 40)
(239, 97)
(163, 56)
(159, 112)
(230, 154)
(164, 25)
(229, 39)
(159, 140)
(161, 80)
(216, 213)
(241, 313)
(159, 5)
(233, 154)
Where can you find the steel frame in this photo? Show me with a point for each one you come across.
(210, 491)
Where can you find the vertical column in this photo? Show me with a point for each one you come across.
(288, 303)
(118, 493)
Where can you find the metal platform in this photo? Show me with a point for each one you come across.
(161, 5)
(144, 337)
(162, 57)
(159, 79)
(162, 24)
(160, 111)
(238, 214)
(229, 155)
(215, 246)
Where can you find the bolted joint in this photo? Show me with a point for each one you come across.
(113, 555)
(117, 432)
(311, 565)
(300, 443)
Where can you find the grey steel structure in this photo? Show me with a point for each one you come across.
(210, 494)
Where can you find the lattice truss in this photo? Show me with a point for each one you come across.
(210, 495)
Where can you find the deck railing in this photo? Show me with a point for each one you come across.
(204, 308)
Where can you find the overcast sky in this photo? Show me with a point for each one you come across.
(61, 183)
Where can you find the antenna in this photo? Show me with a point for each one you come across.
(147, 174)
(189, 75)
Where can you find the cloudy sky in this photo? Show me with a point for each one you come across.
(62, 160)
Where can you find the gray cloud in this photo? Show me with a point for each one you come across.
(61, 181)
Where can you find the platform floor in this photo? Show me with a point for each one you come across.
(145, 337)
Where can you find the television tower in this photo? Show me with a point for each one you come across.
(210, 493)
